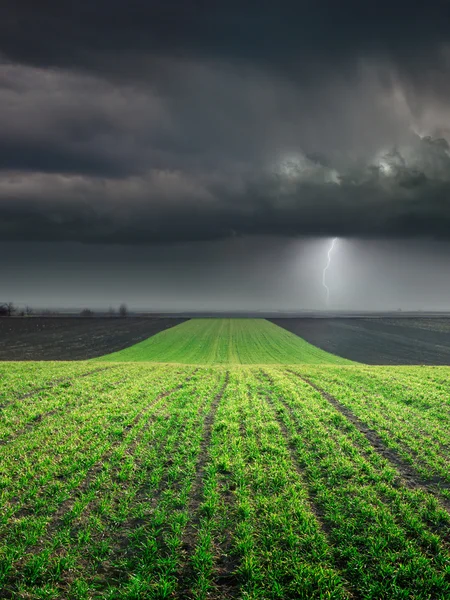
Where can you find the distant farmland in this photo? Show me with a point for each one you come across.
(68, 338)
(226, 341)
(378, 341)
(224, 459)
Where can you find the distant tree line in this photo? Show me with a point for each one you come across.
(8, 309)
(112, 312)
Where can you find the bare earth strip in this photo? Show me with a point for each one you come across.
(73, 338)
(377, 341)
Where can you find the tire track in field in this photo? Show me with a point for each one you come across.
(132, 448)
(98, 466)
(315, 508)
(55, 383)
(83, 445)
(439, 529)
(190, 535)
(121, 538)
(416, 407)
(66, 408)
(225, 581)
(56, 518)
(409, 476)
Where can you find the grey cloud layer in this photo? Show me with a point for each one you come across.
(144, 122)
(291, 34)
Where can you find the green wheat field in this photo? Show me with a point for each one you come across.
(224, 458)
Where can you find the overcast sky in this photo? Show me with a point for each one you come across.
(203, 153)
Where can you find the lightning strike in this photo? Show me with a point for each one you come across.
(324, 274)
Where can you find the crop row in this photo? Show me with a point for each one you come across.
(230, 341)
(152, 481)
(413, 421)
(48, 466)
(390, 541)
(18, 379)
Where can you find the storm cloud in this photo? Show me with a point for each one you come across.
(144, 122)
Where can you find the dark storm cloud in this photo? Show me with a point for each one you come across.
(54, 121)
(285, 33)
(152, 121)
(310, 199)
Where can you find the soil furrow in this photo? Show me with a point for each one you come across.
(409, 475)
(150, 496)
(99, 465)
(226, 581)
(55, 383)
(57, 517)
(315, 508)
(120, 539)
(38, 419)
(189, 539)
(132, 448)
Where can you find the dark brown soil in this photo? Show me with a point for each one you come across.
(382, 341)
(72, 338)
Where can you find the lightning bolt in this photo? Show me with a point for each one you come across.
(327, 266)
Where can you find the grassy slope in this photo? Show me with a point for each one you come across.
(225, 341)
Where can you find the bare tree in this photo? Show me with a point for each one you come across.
(28, 310)
(111, 311)
(3, 310)
(87, 312)
(11, 309)
(123, 310)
